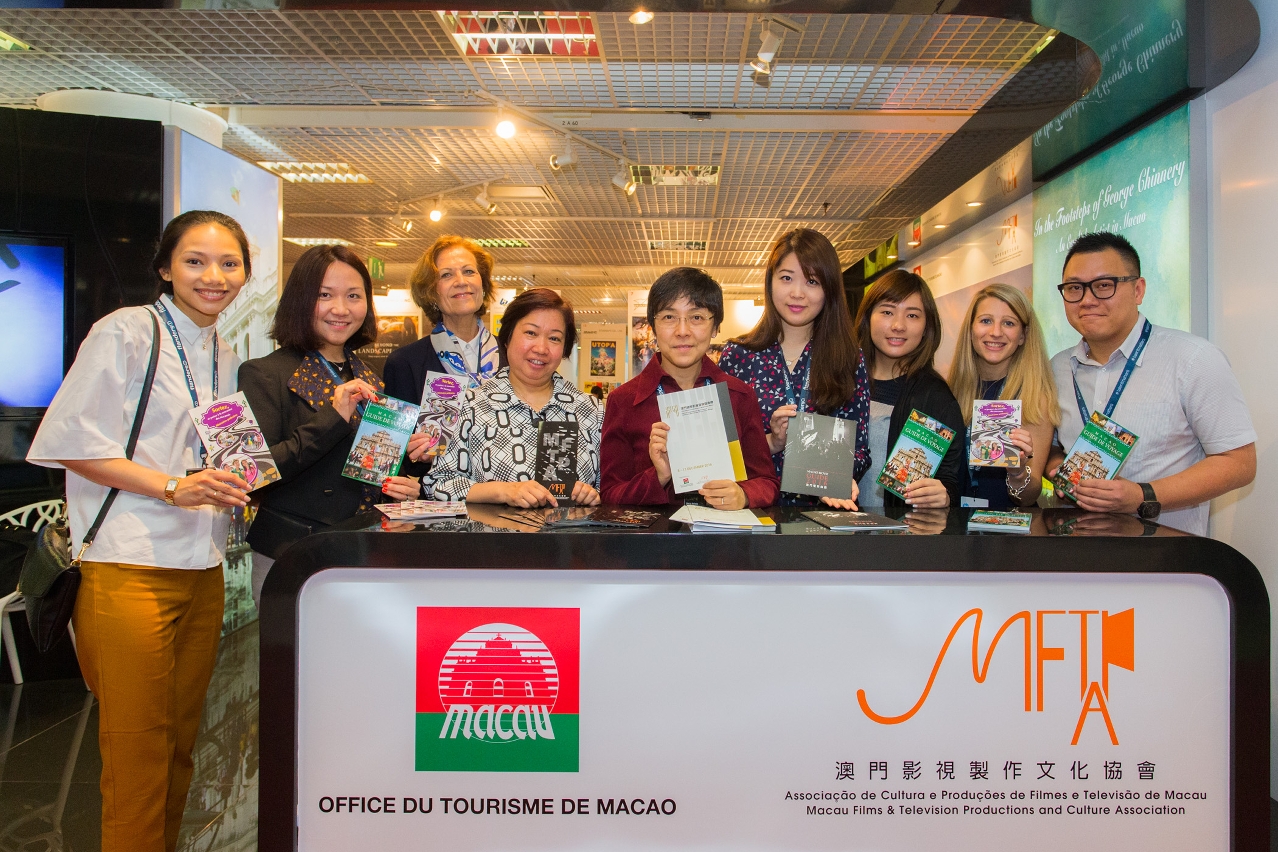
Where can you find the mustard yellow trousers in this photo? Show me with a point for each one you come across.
(147, 641)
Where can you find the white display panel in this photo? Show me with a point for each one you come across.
(735, 710)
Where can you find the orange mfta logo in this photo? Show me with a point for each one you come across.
(1118, 648)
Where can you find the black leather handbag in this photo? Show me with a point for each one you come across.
(50, 578)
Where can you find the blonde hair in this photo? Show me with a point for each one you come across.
(1029, 376)
(424, 280)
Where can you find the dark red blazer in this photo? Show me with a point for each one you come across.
(627, 475)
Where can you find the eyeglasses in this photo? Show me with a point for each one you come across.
(1102, 288)
(694, 320)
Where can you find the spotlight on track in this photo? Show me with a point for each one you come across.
(623, 182)
(436, 212)
(505, 127)
(482, 200)
(406, 224)
(767, 52)
(567, 158)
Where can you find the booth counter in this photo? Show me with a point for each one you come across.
(1100, 683)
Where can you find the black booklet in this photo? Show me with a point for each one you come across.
(853, 521)
(565, 517)
(820, 456)
(556, 463)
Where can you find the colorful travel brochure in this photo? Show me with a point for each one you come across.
(441, 410)
(991, 435)
(999, 522)
(853, 521)
(1099, 452)
(417, 510)
(555, 465)
(820, 456)
(381, 440)
(233, 441)
(703, 445)
(918, 452)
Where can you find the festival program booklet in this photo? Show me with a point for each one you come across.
(1002, 522)
(1098, 453)
(441, 411)
(820, 456)
(918, 452)
(992, 423)
(381, 440)
(703, 445)
(417, 510)
(233, 440)
(555, 466)
(853, 521)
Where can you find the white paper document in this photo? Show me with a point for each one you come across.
(699, 441)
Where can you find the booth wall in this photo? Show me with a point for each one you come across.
(1242, 207)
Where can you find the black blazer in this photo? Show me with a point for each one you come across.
(309, 447)
(929, 393)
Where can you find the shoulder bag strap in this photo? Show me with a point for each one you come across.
(133, 434)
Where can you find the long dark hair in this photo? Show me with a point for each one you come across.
(834, 357)
(177, 228)
(897, 286)
(294, 326)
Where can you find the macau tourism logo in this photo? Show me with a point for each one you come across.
(497, 689)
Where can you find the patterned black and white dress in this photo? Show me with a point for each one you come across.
(497, 437)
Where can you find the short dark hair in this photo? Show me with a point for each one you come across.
(177, 228)
(685, 281)
(423, 283)
(537, 299)
(1101, 240)
(294, 326)
(896, 286)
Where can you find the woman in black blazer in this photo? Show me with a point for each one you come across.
(306, 395)
(899, 329)
(453, 285)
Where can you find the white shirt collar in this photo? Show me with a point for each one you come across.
(1082, 354)
(191, 334)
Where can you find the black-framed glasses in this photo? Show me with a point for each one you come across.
(1102, 288)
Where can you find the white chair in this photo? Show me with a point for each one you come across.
(34, 516)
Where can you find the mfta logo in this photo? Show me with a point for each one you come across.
(497, 689)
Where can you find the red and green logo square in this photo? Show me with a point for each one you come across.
(497, 689)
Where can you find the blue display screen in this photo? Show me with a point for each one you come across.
(33, 307)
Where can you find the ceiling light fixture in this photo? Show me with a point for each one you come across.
(939, 227)
(623, 182)
(914, 243)
(641, 17)
(407, 225)
(386, 243)
(974, 204)
(767, 51)
(505, 127)
(482, 200)
(308, 242)
(436, 212)
(567, 158)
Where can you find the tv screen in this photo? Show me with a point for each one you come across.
(34, 279)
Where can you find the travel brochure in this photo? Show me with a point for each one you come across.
(918, 452)
(1099, 452)
(854, 521)
(703, 519)
(233, 441)
(999, 522)
(417, 510)
(991, 436)
(565, 517)
(555, 465)
(441, 409)
(703, 444)
(820, 456)
(381, 440)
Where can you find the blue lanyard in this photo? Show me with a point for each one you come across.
(707, 383)
(181, 351)
(338, 380)
(802, 402)
(1122, 380)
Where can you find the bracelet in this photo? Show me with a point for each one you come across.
(1018, 490)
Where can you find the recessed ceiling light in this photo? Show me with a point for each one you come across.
(913, 243)
(641, 16)
(973, 204)
(307, 242)
(8, 42)
(315, 172)
(891, 257)
(939, 227)
(386, 244)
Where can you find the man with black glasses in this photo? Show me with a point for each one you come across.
(1175, 391)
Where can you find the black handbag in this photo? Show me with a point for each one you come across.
(50, 577)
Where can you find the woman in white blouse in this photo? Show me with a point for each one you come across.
(148, 615)
(493, 459)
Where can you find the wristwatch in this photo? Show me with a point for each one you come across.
(1150, 508)
(170, 488)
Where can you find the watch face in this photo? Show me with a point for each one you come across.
(1149, 510)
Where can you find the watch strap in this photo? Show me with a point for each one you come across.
(1148, 491)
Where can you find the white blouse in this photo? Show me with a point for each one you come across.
(90, 418)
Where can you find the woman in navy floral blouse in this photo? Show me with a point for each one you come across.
(803, 352)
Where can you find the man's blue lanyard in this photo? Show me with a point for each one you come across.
(707, 383)
(1122, 380)
(181, 351)
(802, 402)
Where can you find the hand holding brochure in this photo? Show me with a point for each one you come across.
(230, 434)
(381, 440)
(1099, 452)
(441, 411)
(992, 423)
(918, 452)
(703, 444)
(820, 456)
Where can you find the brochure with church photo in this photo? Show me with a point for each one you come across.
(381, 440)
(1098, 453)
(918, 452)
(820, 456)
(992, 423)
(703, 445)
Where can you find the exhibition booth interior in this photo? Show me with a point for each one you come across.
(589, 150)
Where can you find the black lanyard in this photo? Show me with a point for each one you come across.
(802, 402)
(1122, 380)
(707, 383)
(181, 351)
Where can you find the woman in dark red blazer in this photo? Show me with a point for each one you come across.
(685, 308)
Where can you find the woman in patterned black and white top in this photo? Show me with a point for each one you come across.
(492, 460)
